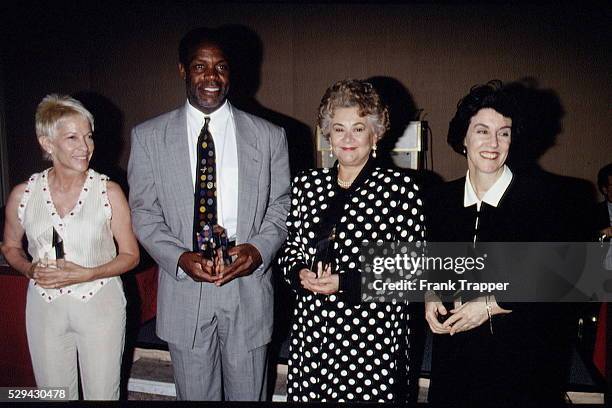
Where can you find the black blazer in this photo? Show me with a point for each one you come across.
(521, 364)
(527, 212)
(601, 217)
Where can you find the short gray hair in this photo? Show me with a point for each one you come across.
(350, 93)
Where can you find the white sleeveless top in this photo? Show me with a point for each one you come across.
(85, 230)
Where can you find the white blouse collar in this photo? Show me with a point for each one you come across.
(493, 195)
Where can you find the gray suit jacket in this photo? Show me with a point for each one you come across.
(162, 199)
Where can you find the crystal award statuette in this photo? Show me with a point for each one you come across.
(57, 243)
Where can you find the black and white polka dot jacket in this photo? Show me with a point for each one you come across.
(383, 205)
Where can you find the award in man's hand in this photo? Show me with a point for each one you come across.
(206, 242)
(213, 244)
(222, 244)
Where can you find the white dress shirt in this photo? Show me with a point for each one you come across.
(223, 131)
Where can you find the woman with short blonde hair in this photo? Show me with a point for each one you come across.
(80, 239)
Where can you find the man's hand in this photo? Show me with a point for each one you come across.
(198, 268)
(248, 259)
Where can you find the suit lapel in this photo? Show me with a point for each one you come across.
(249, 169)
(177, 145)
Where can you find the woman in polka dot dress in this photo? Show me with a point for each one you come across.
(75, 304)
(343, 349)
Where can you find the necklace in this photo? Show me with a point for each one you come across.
(344, 184)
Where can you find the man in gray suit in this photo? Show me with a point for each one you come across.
(217, 320)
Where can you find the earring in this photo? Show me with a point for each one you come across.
(374, 151)
(464, 151)
(331, 151)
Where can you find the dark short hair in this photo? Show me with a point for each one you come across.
(492, 95)
(602, 176)
(194, 38)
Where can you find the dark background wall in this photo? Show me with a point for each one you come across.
(123, 58)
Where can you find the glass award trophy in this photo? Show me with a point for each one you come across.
(213, 243)
(324, 252)
(57, 243)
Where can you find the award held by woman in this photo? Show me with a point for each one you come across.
(57, 243)
(325, 252)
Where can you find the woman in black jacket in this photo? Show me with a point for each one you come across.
(486, 353)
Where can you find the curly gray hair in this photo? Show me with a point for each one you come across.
(350, 93)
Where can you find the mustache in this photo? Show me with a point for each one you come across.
(210, 85)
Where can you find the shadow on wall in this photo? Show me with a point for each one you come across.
(542, 113)
(402, 110)
(109, 145)
(542, 123)
(245, 51)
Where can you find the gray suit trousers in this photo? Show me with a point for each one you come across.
(220, 366)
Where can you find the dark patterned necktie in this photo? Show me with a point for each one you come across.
(205, 208)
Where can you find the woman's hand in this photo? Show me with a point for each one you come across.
(433, 309)
(606, 232)
(473, 313)
(56, 277)
(326, 284)
(467, 316)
